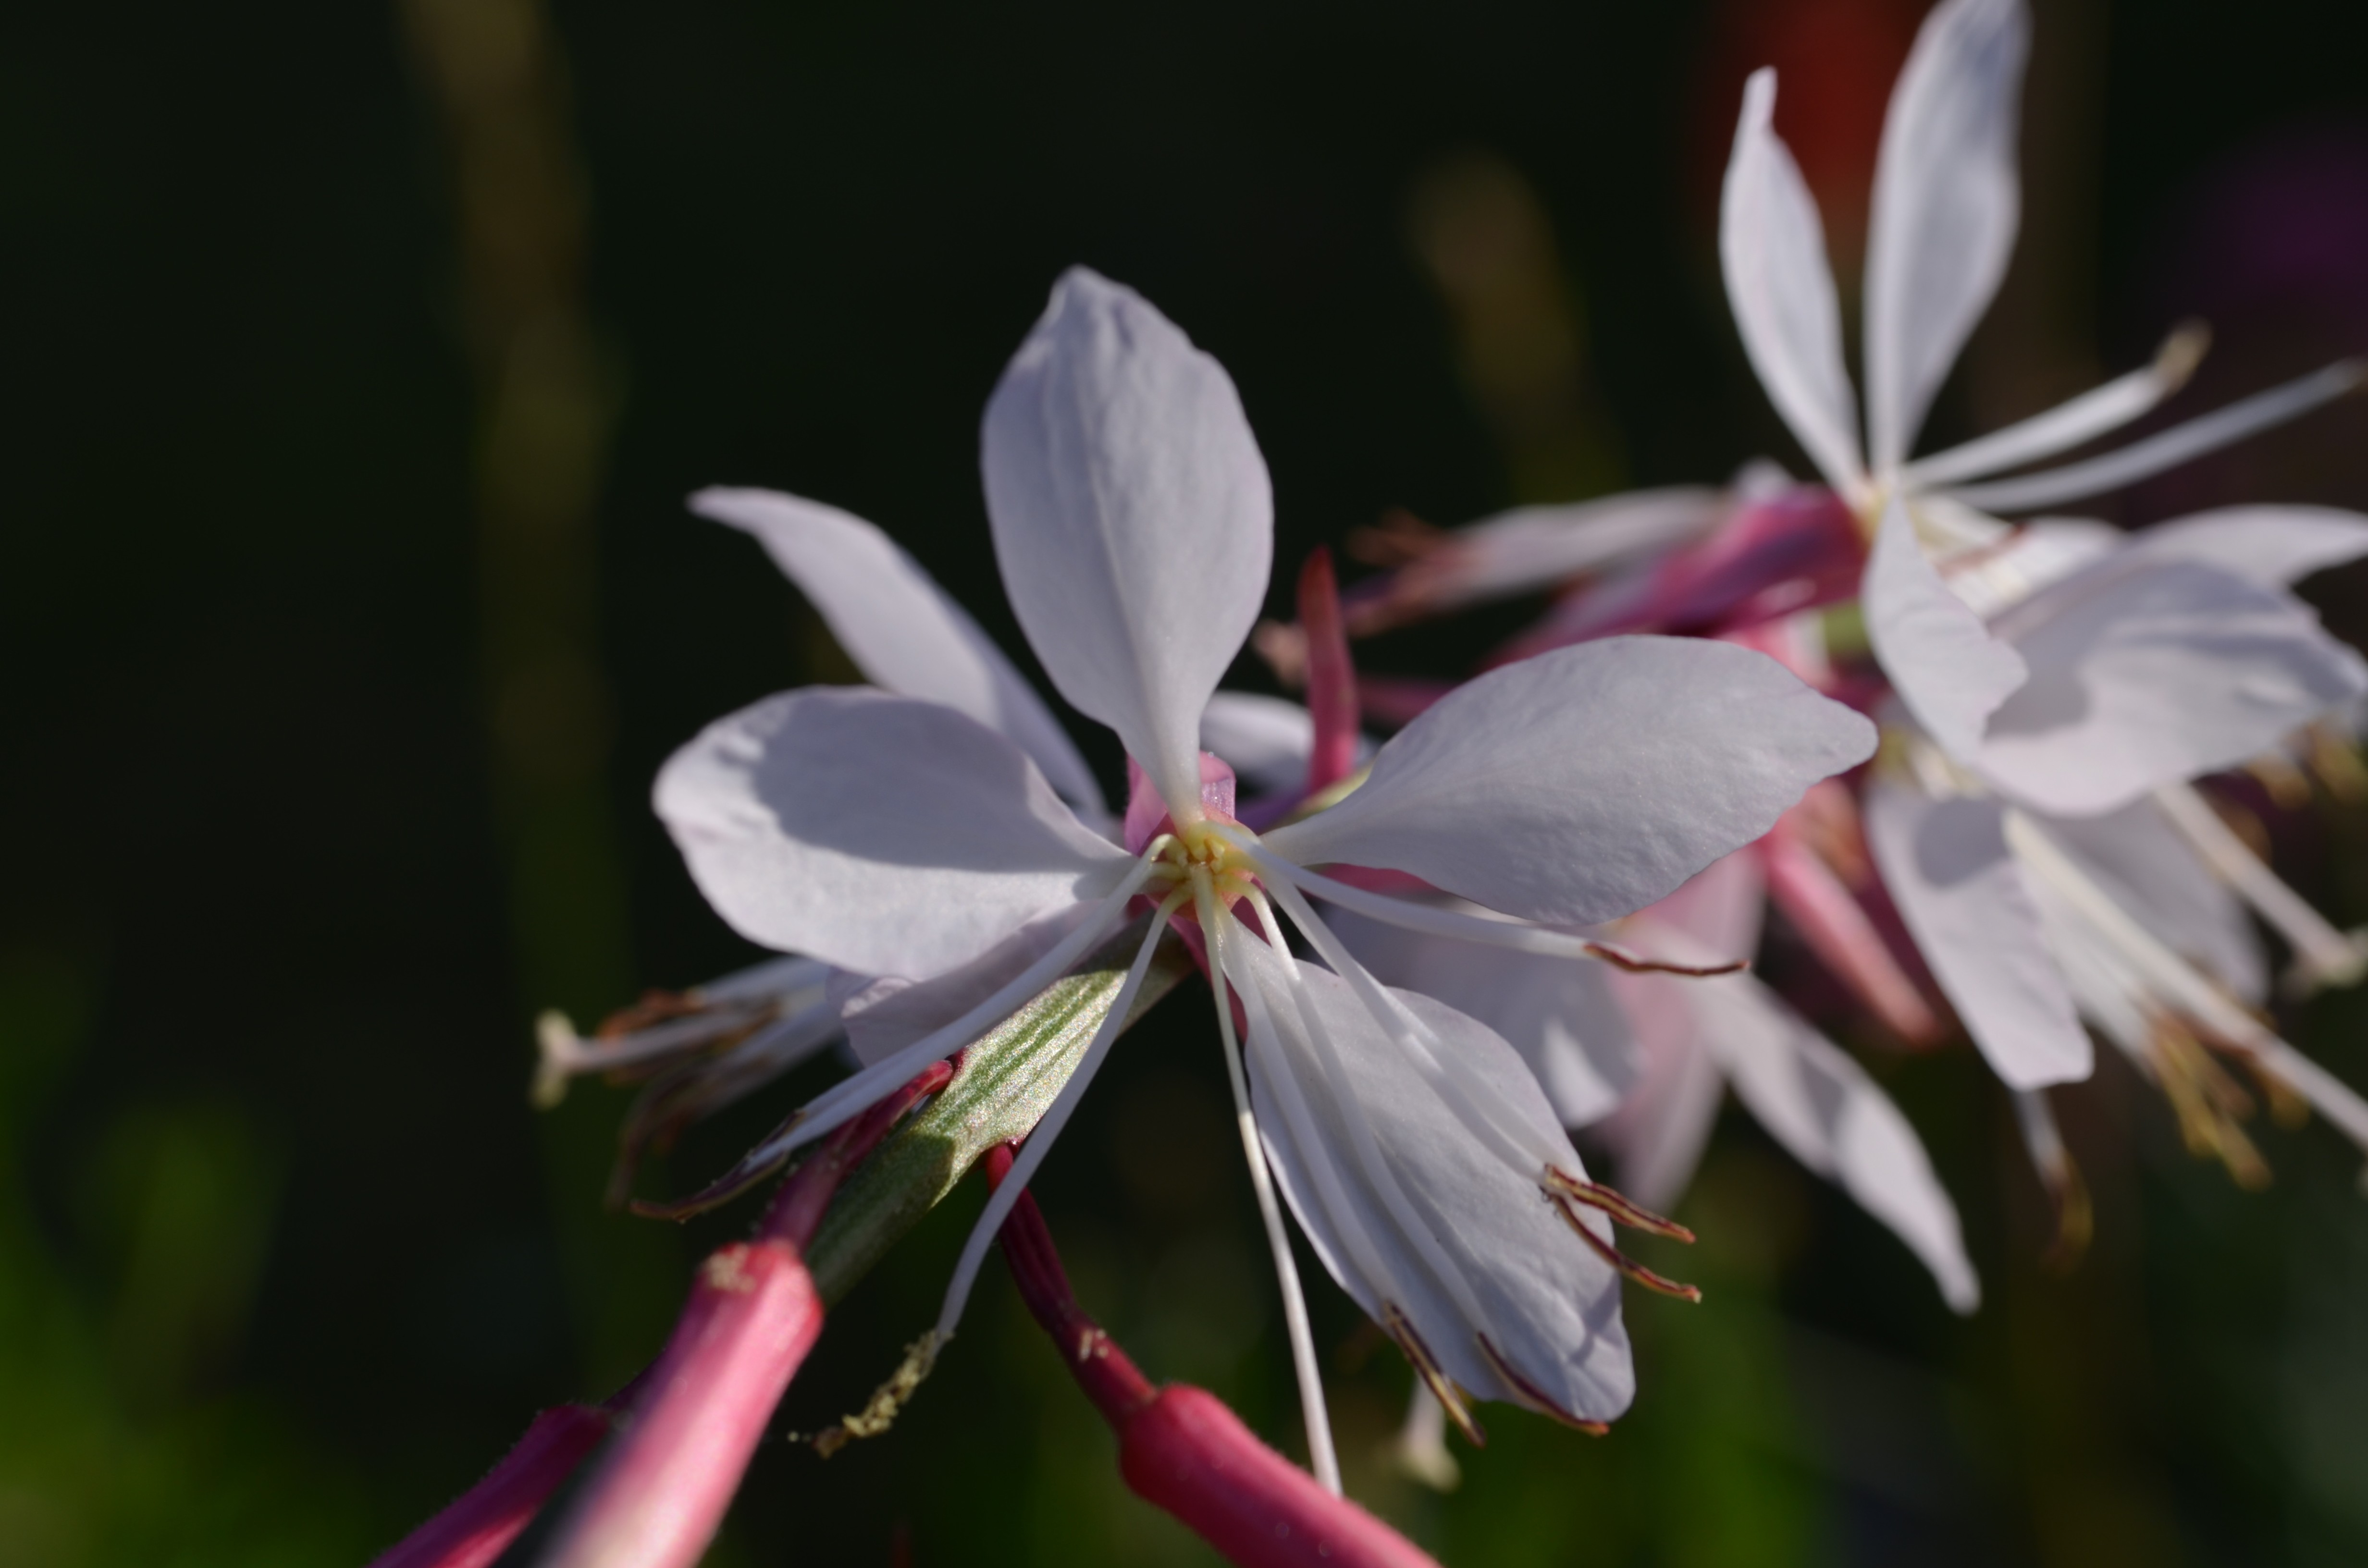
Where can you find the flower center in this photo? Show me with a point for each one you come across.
(1197, 850)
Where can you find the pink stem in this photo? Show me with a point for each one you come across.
(1836, 928)
(1331, 675)
(1179, 1448)
(661, 1491)
(484, 1519)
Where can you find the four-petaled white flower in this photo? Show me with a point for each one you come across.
(895, 837)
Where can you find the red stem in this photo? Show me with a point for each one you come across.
(484, 1519)
(663, 1488)
(1179, 1448)
(1331, 675)
(698, 1412)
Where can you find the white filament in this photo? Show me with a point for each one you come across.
(2177, 445)
(1312, 1411)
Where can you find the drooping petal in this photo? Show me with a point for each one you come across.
(2145, 675)
(1514, 1272)
(902, 630)
(1585, 783)
(1133, 518)
(2273, 546)
(1946, 203)
(1821, 1106)
(1947, 867)
(1560, 1014)
(1772, 250)
(880, 834)
(2140, 859)
(1944, 664)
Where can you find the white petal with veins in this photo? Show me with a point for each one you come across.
(1546, 1302)
(902, 630)
(1585, 783)
(1133, 518)
(880, 833)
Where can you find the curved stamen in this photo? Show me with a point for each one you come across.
(1490, 929)
(2180, 443)
(2067, 424)
(1434, 1376)
(2324, 956)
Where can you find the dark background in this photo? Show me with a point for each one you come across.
(285, 1257)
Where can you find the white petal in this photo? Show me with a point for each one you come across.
(1773, 253)
(878, 834)
(1946, 203)
(2043, 552)
(1945, 864)
(899, 627)
(2152, 871)
(1550, 1305)
(1559, 1013)
(1585, 783)
(2145, 675)
(1265, 740)
(1820, 1105)
(1133, 518)
(2274, 546)
(1945, 665)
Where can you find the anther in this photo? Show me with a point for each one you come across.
(887, 1401)
(1442, 1387)
(1622, 1210)
(1534, 1397)
(1628, 1268)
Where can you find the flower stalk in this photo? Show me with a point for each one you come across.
(1179, 1448)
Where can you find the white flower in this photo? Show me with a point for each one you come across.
(2129, 670)
(1132, 518)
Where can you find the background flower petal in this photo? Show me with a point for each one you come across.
(1946, 865)
(1945, 665)
(1947, 200)
(2146, 674)
(1771, 248)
